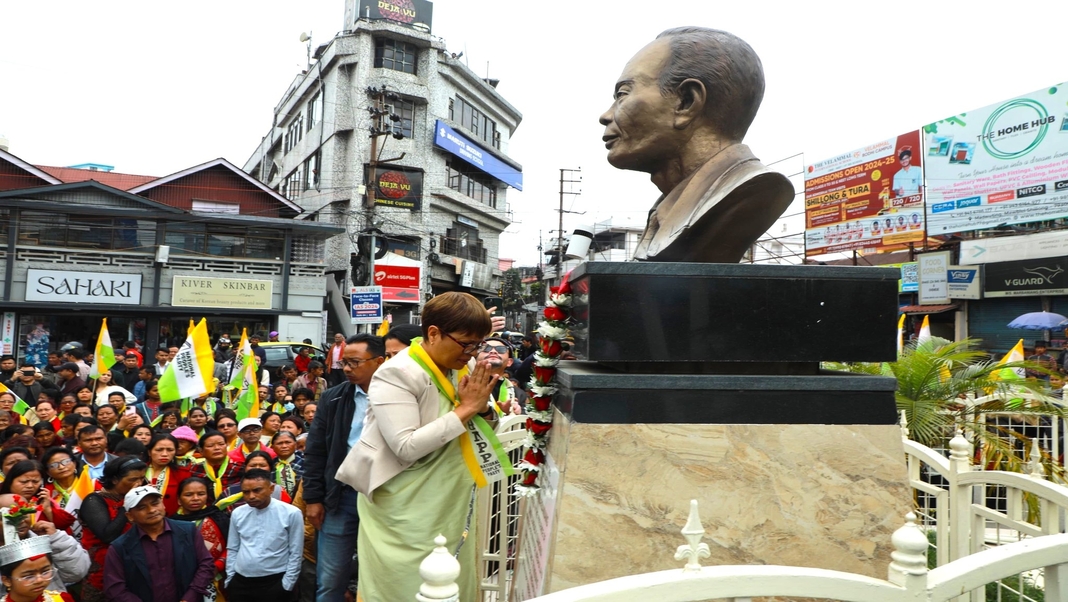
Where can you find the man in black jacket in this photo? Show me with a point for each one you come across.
(331, 504)
(157, 559)
(26, 385)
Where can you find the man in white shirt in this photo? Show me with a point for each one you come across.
(908, 179)
(265, 545)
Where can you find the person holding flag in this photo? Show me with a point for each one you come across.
(191, 372)
(103, 354)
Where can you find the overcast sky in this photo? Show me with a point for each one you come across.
(153, 88)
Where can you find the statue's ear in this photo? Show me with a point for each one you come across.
(692, 96)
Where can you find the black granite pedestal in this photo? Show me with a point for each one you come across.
(699, 381)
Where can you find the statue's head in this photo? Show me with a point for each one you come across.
(688, 84)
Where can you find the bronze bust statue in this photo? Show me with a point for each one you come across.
(680, 111)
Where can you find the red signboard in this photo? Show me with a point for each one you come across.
(870, 198)
(400, 284)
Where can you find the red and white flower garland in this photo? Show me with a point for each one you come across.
(553, 330)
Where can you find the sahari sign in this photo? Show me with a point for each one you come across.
(83, 287)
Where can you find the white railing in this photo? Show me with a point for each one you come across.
(908, 576)
(498, 519)
(145, 260)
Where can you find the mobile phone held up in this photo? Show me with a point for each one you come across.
(489, 302)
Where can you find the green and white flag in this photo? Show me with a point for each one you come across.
(20, 406)
(104, 354)
(242, 357)
(191, 372)
(248, 400)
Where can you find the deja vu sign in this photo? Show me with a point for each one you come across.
(400, 187)
(870, 198)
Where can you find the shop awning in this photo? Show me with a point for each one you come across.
(927, 309)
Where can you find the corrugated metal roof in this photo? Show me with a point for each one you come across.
(122, 181)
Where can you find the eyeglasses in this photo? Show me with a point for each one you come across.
(356, 363)
(45, 575)
(60, 463)
(228, 425)
(487, 347)
(468, 348)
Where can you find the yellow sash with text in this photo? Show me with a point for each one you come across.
(482, 451)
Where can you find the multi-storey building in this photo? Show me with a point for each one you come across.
(387, 133)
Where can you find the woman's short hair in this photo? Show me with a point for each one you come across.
(131, 447)
(52, 452)
(14, 450)
(260, 454)
(297, 420)
(20, 468)
(456, 312)
(117, 469)
(43, 425)
(282, 434)
(208, 435)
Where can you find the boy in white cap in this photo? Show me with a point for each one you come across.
(249, 430)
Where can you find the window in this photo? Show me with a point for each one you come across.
(403, 109)
(291, 186)
(395, 55)
(315, 109)
(85, 232)
(294, 133)
(215, 207)
(462, 241)
(221, 240)
(312, 165)
(476, 122)
(467, 179)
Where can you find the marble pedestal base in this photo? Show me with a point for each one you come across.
(617, 495)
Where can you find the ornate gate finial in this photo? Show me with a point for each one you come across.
(693, 551)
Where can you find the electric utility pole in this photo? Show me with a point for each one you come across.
(566, 178)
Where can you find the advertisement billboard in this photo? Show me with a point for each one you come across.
(400, 283)
(1029, 278)
(394, 186)
(366, 304)
(1003, 164)
(410, 13)
(870, 198)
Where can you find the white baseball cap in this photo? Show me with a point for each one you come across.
(135, 495)
(248, 422)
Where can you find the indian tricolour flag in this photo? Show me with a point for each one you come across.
(190, 373)
(249, 397)
(20, 406)
(104, 354)
(242, 358)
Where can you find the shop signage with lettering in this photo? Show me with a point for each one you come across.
(199, 291)
(83, 287)
(1029, 278)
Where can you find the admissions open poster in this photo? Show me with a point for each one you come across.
(1006, 163)
(870, 198)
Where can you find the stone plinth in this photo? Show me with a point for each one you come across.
(705, 383)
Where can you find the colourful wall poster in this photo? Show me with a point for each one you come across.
(870, 198)
(1002, 164)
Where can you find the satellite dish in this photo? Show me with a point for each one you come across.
(304, 37)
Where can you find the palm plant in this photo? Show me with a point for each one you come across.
(937, 382)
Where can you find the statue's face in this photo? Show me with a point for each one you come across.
(639, 130)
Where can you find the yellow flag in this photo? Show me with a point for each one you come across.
(900, 333)
(925, 330)
(383, 330)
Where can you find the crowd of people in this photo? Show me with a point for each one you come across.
(351, 467)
